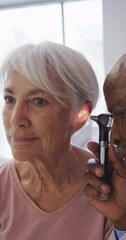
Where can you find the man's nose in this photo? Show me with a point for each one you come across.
(115, 134)
(19, 116)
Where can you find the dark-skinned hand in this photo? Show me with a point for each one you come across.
(109, 200)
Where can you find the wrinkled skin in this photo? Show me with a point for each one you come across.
(111, 200)
(39, 130)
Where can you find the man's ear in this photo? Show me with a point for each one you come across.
(81, 116)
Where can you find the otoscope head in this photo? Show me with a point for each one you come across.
(103, 120)
(105, 123)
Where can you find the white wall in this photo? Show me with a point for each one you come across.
(114, 27)
(114, 31)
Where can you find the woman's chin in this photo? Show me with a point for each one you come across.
(21, 155)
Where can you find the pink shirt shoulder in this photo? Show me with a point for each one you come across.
(21, 218)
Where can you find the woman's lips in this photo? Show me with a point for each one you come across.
(22, 140)
(22, 143)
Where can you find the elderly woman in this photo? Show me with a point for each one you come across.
(49, 92)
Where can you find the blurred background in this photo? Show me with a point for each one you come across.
(94, 27)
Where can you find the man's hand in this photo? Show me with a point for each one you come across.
(109, 200)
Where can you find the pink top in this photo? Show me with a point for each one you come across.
(22, 219)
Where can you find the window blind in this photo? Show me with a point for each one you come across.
(19, 3)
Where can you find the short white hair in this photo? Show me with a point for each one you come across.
(71, 67)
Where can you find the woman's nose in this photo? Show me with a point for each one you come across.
(19, 116)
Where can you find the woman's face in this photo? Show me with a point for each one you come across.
(36, 124)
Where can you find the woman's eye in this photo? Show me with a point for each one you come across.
(9, 99)
(40, 102)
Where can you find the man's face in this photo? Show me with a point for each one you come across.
(115, 96)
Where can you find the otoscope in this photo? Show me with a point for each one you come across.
(104, 122)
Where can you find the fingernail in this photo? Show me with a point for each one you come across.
(104, 197)
(104, 188)
(98, 171)
(91, 161)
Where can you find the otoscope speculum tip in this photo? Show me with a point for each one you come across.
(94, 118)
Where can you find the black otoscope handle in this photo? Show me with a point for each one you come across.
(105, 122)
(103, 159)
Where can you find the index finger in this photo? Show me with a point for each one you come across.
(94, 166)
(94, 148)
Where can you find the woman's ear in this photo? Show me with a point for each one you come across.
(82, 115)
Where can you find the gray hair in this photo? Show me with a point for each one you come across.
(71, 67)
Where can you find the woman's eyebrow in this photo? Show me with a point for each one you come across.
(9, 90)
(29, 93)
(36, 91)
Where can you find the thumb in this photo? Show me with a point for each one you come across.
(94, 148)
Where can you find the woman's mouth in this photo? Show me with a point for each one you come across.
(23, 139)
(22, 142)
